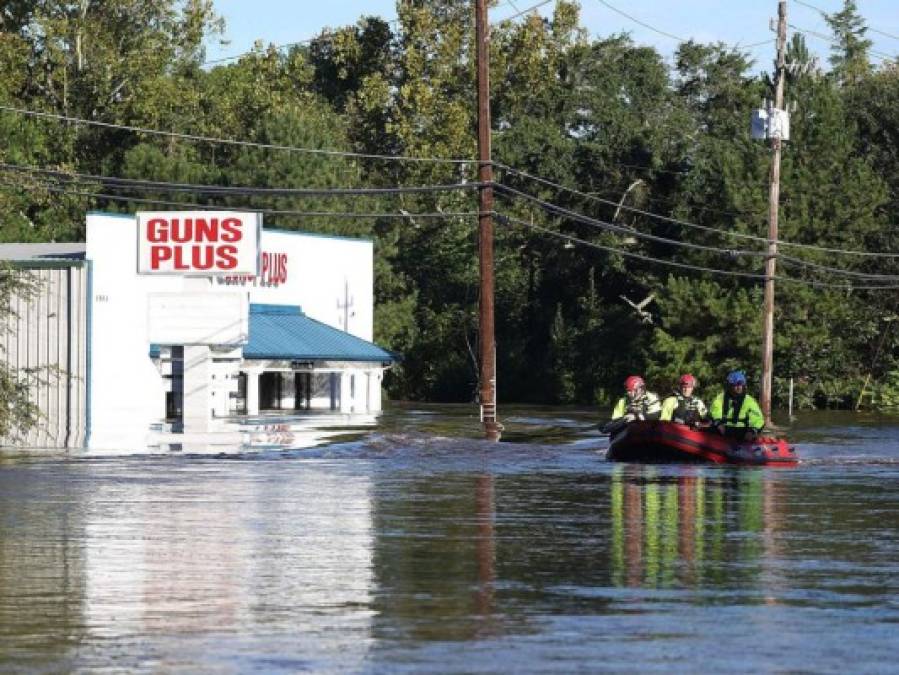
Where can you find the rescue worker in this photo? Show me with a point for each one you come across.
(682, 406)
(734, 412)
(637, 404)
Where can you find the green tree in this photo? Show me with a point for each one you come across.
(18, 414)
(850, 55)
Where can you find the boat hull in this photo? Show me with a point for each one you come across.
(662, 442)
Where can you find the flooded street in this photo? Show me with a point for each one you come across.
(417, 547)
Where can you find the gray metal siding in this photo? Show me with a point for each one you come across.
(48, 334)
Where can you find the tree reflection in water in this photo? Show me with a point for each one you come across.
(684, 528)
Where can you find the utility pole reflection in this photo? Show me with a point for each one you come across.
(485, 547)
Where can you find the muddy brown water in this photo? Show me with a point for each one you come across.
(417, 547)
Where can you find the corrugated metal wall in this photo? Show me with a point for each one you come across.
(48, 334)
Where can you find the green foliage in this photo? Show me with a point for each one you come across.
(18, 414)
(850, 53)
(603, 116)
(886, 392)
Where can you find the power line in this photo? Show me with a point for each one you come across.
(619, 229)
(252, 51)
(310, 40)
(524, 11)
(549, 207)
(734, 253)
(868, 276)
(828, 14)
(676, 221)
(439, 160)
(641, 23)
(164, 186)
(280, 47)
(227, 141)
(697, 268)
(274, 212)
(826, 38)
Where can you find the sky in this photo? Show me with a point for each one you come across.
(743, 22)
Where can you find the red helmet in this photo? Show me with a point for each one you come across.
(688, 379)
(633, 383)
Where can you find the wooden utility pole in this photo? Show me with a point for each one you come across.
(485, 221)
(773, 203)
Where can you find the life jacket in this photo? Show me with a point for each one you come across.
(648, 406)
(689, 408)
(732, 416)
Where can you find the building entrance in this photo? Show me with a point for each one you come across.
(270, 391)
(303, 393)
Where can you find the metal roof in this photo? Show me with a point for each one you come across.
(284, 332)
(42, 251)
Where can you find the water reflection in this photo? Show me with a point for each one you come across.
(435, 560)
(415, 552)
(678, 529)
(152, 569)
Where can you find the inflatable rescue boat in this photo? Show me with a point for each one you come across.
(656, 441)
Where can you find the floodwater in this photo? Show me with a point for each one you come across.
(416, 547)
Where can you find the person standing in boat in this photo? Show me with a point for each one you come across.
(682, 406)
(637, 404)
(734, 412)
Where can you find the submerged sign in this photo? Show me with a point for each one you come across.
(198, 242)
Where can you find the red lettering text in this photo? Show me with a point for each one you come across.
(159, 254)
(157, 230)
(227, 257)
(232, 230)
(206, 230)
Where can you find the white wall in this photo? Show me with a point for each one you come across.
(127, 392)
(321, 272)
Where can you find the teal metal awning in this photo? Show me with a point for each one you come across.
(284, 332)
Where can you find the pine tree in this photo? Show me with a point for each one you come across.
(850, 56)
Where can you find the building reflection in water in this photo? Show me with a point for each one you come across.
(678, 528)
(179, 559)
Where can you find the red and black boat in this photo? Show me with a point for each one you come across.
(656, 441)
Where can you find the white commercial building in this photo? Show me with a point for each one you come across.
(170, 323)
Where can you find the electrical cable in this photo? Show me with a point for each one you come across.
(620, 229)
(271, 47)
(697, 268)
(551, 208)
(821, 36)
(827, 14)
(641, 23)
(868, 276)
(227, 141)
(274, 212)
(145, 185)
(562, 212)
(571, 215)
(671, 35)
(676, 221)
(278, 47)
(524, 11)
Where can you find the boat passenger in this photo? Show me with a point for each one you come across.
(637, 404)
(682, 406)
(734, 412)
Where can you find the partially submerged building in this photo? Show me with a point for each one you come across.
(177, 321)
